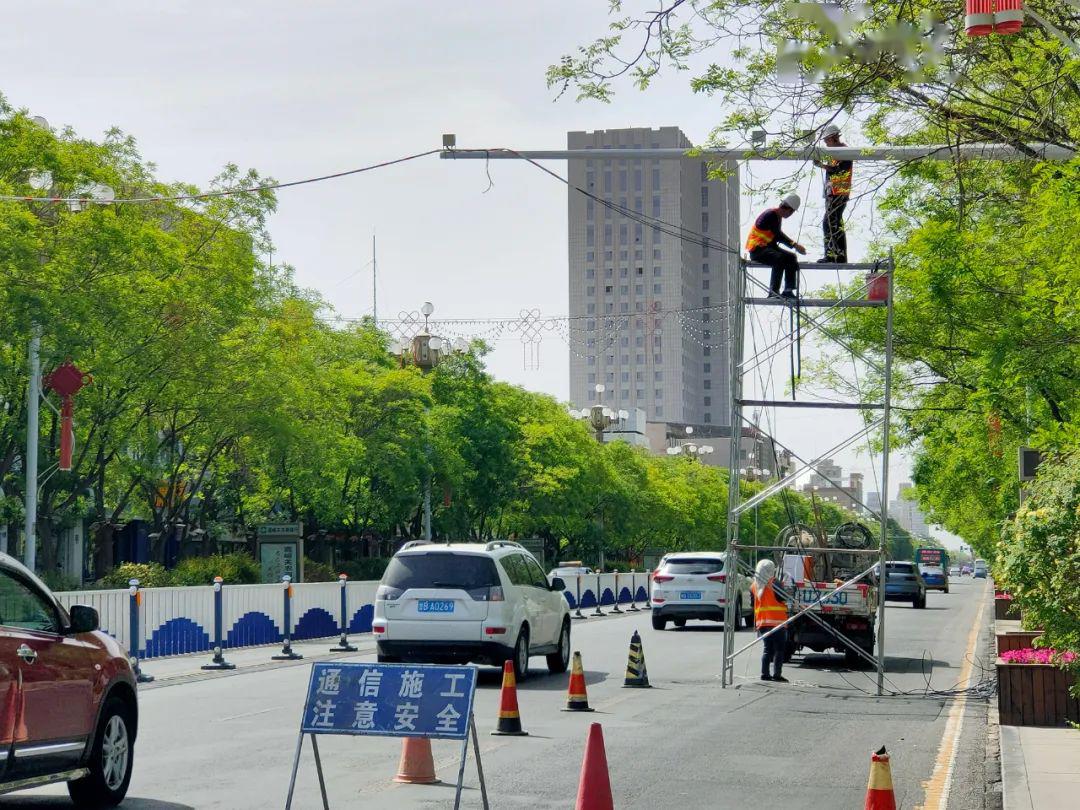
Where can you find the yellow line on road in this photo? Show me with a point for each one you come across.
(937, 787)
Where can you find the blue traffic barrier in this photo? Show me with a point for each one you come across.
(218, 661)
(343, 645)
(599, 597)
(134, 600)
(617, 609)
(633, 592)
(577, 601)
(287, 653)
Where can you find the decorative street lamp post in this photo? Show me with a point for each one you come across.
(600, 417)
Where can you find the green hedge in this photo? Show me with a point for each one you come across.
(236, 569)
(150, 575)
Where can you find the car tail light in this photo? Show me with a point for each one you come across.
(495, 631)
(378, 628)
(717, 577)
(657, 599)
(662, 578)
(386, 592)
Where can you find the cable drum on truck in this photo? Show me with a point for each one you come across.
(854, 536)
(799, 536)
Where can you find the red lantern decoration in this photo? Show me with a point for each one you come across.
(66, 380)
(984, 17)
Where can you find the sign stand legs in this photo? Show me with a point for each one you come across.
(295, 766)
(479, 766)
(318, 770)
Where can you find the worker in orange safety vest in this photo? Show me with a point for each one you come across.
(837, 194)
(770, 611)
(763, 244)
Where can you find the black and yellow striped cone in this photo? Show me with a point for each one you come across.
(636, 674)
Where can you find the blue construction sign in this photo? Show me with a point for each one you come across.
(389, 700)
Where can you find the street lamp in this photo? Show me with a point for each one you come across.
(600, 417)
(425, 350)
(691, 450)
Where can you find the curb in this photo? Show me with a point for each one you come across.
(1014, 778)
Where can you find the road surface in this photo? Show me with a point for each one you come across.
(228, 741)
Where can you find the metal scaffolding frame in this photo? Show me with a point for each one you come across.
(741, 366)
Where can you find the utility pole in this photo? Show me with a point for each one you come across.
(33, 398)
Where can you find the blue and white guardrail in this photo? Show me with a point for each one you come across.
(180, 620)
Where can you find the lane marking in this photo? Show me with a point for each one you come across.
(250, 714)
(937, 787)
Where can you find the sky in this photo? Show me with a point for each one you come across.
(296, 90)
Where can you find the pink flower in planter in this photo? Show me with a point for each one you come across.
(1002, 595)
(1029, 655)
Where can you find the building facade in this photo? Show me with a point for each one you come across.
(827, 485)
(648, 304)
(905, 511)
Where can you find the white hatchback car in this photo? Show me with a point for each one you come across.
(471, 602)
(693, 585)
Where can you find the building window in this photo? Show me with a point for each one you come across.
(659, 410)
(623, 233)
(625, 359)
(637, 234)
(707, 384)
(608, 239)
(704, 300)
(607, 182)
(640, 358)
(639, 340)
(590, 309)
(659, 393)
(656, 236)
(657, 288)
(705, 268)
(639, 306)
(704, 171)
(590, 290)
(611, 376)
(607, 254)
(705, 284)
(591, 343)
(708, 418)
(624, 341)
(639, 205)
(639, 376)
(658, 376)
(707, 368)
(704, 221)
(589, 208)
(624, 307)
(657, 271)
(639, 289)
(657, 339)
(624, 289)
(590, 180)
(625, 376)
(626, 395)
(623, 255)
(637, 180)
(656, 177)
(640, 393)
(609, 288)
(590, 256)
(639, 255)
(622, 181)
(590, 235)
(590, 272)
(640, 270)
(591, 360)
(608, 273)
(708, 401)
(590, 326)
(704, 196)
(656, 205)
(609, 307)
(706, 351)
(658, 358)
(592, 377)
(704, 248)
(656, 252)
(706, 317)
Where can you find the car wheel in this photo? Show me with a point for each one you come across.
(111, 759)
(521, 655)
(658, 623)
(679, 622)
(559, 660)
(920, 602)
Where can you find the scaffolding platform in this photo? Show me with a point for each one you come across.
(800, 403)
(804, 265)
(816, 303)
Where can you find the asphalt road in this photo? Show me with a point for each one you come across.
(228, 742)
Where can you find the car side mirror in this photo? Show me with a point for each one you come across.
(557, 584)
(84, 619)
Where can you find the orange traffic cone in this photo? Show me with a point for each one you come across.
(879, 790)
(594, 788)
(417, 766)
(577, 698)
(509, 724)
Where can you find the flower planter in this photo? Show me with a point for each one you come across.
(1016, 640)
(1004, 608)
(1035, 695)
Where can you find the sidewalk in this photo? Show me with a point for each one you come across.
(187, 668)
(1040, 768)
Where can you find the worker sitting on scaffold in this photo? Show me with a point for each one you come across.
(764, 242)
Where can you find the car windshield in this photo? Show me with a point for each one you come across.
(695, 565)
(899, 568)
(441, 569)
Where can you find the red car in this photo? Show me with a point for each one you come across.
(68, 711)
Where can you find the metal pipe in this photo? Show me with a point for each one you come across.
(975, 151)
(885, 486)
(33, 397)
(802, 549)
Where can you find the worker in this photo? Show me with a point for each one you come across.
(763, 245)
(770, 611)
(837, 194)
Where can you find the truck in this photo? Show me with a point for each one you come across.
(851, 610)
(934, 566)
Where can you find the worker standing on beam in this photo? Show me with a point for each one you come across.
(837, 194)
(763, 245)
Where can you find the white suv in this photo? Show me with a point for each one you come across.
(693, 585)
(461, 602)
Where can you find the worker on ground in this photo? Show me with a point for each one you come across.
(770, 611)
(837, 194)
(763, 245)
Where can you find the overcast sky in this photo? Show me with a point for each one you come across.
(303, 89)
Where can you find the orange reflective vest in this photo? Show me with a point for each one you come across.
(759, 237)
(838, 173)
(768, 610)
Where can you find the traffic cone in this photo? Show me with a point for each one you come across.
(417, 767)
(879, 790)
(509, 724)
(594, 787)
(577, 698)
(636, 674)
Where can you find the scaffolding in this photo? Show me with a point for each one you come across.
(740, 366)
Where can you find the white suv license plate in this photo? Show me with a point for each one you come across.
(690, 594)
(435, 606)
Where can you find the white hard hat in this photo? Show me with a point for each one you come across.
(829, 130)
(792, 201)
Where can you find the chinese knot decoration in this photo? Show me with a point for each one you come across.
(66, 380)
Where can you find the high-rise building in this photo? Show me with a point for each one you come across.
(905, 511)
(648, 305)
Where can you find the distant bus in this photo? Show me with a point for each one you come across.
(934, 566)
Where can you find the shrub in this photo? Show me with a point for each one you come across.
(237, 568)
(318, 572)
(150, 575)
(58, 582)
(365, 568)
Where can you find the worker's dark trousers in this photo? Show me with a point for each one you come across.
(833, 225)
(774, 651)
(782, 262)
